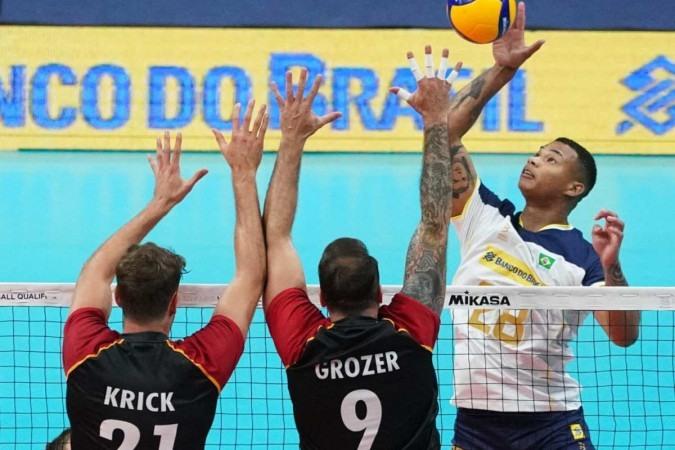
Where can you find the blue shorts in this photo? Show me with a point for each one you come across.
(491, 430)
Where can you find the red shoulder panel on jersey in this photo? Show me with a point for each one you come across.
(293, 320)
(418, 320)
(85, 334)
(215, 349)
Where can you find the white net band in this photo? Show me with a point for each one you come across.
(502, 297)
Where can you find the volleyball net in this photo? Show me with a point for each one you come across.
(628, 393)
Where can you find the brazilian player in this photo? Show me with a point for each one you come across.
(363, 377)
(139, 389)
(511, 386)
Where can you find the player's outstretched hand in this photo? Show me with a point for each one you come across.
(298, 121)
(432, 97)
(607, 239)
(244, 150)
(170, 188)
(510, 50)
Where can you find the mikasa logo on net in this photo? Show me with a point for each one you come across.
(466, 299)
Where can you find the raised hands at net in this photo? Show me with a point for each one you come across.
(170, 187)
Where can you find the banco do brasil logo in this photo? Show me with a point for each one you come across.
(654, 104)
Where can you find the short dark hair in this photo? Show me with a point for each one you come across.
(147, 277)
(60, 442)
(588, 172)
(349, 276)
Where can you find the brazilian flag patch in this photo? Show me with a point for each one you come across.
(577, 432)
(546, 261)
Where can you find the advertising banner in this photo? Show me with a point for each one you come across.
(118, 88)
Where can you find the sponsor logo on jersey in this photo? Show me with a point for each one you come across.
(510, 267)
(546, 261)
(466, 299)
(577, 432)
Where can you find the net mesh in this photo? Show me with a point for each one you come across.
(628, 394)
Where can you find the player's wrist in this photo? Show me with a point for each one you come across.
(160, 205)
(435, 117)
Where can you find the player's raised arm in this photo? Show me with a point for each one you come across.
(622, 327)
(93, 284)
(509, 52)
(298, 123)
(243, 153)
(425, 265)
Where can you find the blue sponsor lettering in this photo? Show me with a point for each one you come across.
(518, 106)
(212, 82)
(157, 111)
(12, 101)
(280, 63)
(39, 101)
(121, 101)
(356, 92)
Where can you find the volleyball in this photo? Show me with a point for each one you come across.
(481, 21)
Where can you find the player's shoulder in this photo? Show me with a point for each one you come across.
(565, 241)
(489, 198)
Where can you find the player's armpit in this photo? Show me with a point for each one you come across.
(214, 349)
(85, 332)
(464, 177)
(284, 270)
(419, 321)
(293, 320)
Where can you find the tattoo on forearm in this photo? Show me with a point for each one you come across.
(425, 271)
(463, 176)
(615, 276)
(425, 261)
(435, 187)
(473, 91)
(455, 149)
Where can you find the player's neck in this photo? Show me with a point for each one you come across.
(535, 217)
(133, 327)
(372, 312)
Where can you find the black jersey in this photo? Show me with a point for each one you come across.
(142, 390)
(359, 383)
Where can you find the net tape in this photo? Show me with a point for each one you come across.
(496, 297)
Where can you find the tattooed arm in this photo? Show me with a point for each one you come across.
(622, 327)
(425, 265)
(509, 52)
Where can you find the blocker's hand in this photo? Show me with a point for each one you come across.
(170, 188)
(510, 50)
(432, 97)
(298, 122)
(244, 151)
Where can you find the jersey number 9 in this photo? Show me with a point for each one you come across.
(370, 423)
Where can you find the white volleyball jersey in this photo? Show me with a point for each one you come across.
(514, 360)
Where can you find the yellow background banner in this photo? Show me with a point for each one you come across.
(118, 88)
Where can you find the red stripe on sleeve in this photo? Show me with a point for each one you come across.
(293, 319)
(85, 332)
(420, 321)
(215, 349)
